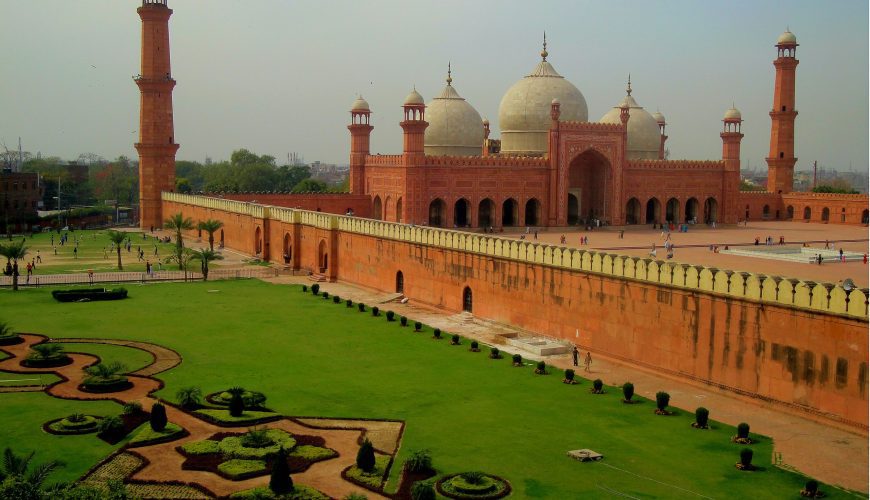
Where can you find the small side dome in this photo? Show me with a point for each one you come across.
(787, 38)
(644, 135)
(455, 127)
(659, 117)
(554, 101)
(733, 114)
(413, 98)
(486, 121)
(360, 104)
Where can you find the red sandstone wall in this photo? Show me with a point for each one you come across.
(842, 208)
(333, 203)
(812, 361)
(751, 204)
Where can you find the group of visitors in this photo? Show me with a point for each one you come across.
(587, 361)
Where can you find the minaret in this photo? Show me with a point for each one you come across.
(731, 136)
(156, 144)
(781, 160)
(414, 125)
(360, 134)
(660, 119)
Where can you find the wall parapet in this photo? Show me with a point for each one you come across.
(675, 164)
(783, 291)
(827, 196)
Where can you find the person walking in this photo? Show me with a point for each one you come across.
(842, 256)
(38, 257)
(588, 361)
(576, 354)
(76, 252)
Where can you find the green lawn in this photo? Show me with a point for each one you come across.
(315, 358)
(133, 359)
(8, 379)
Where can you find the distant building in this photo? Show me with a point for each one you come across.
(20, 197)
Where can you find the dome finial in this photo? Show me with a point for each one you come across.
(449, 78)
(544, 52)
(628, 88)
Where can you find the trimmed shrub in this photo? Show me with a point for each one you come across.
(315, 289)
(811, 488)
(365, 457)
(742, 430)
(403, 321)
(419, 461)
(280, 481)
(627, 391)
(376, 311)
(131, 408)
(598, 385)
(437, 333)
(355, 496)
(189, 397)
(336, 299)
(349, 303)
(518, 360)
(325, 295)
(701, 417)
(361, 307)
(237, 405)
(569, 375)
(541, 368)
(89, 294)
(494, 353)
(423, 490)
(158, 417)
(474, 477)
(256, 438)
(390, 315)
(746, 457)
(475, 346)
(454, 340)
(418, 326)
(304, 288)
(662, 400)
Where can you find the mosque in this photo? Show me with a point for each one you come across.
(551, 167)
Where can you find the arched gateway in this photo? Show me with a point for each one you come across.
(587, 188)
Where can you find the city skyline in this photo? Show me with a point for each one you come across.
(280, 78)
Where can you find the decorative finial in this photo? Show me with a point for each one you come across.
(544, 52)
(628, 89)
(449, 78)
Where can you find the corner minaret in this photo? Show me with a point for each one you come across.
(156, 144)
(731, 136)
(360, 135)
(781, 160)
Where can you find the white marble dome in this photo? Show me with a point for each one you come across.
(360, 104)
(732, 114)
(787, 38)
(413, 98)
(455, 127)
(524, 112)
(644, 136)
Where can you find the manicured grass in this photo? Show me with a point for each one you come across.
(132, 358)
(224, 415)
(301, 492)
(315, 358)
(237, 467)
(9, 379)
(145, 434)
(22, 415)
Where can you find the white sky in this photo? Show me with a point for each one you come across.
(277, 76)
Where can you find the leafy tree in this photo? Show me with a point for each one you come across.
(178, 223)
(189, 397)
(204, 256)
(182, 259)
(158, 417)
(836, 187)
(365, 457)
(210, 226)
(117, 237)
(182, 185)
(14, 251)
(280, 481)
(309, 186)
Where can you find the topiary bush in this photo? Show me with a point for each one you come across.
(158, 417)
(280, 481)
(569, 377)
(390, 315)
(361, 307)
(517, 360)
(436, 333)
(627, 392)
(418, 326)
(305, 288)
(494, 353)
(811, 489)
(403, 321)
(454, 340)
(745, 459)
(597, 386)
(541, 368)
(702, 415)
(349, 303)
(336, 299)
(662, 400)
(365, 457)
(375, 311)
(132, 408)
(237, 404)
(325, 295)
(315, 289)
(743, 430)
(474, 346)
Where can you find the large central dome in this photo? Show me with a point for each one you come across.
(524, 112)
(455, 127)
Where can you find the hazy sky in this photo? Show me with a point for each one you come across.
(277, 76)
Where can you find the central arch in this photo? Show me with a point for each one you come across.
(485, 211)
(461, 214)
(632, 211)
(587, 181)
(509, 212)
(808, 212)
(436, 212)
(653, 211)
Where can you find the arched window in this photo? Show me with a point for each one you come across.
(258, 241)
(808, 213)
(765, 212)
(466, 300)
(842, 215)
(826, 214)
(288, 249)
(789, 212)
(377, 211)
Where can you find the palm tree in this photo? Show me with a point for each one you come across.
(204, 256)
(17, 467)
(14, 251)
(189, 397)
(178, 223)
(45, 351)
(105, 371)
(210, 226)
(117, 238)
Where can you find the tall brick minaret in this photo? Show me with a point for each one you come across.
(781, 160)
(156, 144)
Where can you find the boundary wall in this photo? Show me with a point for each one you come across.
(795, 343)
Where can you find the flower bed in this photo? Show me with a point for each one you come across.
(371, 480)
(89, 294)
(115, 384)
(224, 419)
(474, 485)
(238, 469)
(300, 492)
(130, 423)
(10, 339)
(49, 362)
(84, 424)
(252, 399)
(233, 446)
(147, 436)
